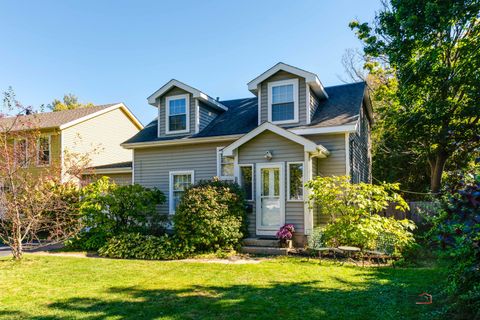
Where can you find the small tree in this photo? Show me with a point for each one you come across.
(34, 204)
(353, 211)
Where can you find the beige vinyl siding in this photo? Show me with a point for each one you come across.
(152, 165)
(333, 165)
(282, 75)
(283, 150)
(105, 132)
(207, 114)
(162, 124)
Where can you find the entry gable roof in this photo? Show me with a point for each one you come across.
(195, 92)
(309, 145)
(310, 78)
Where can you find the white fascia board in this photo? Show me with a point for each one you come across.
(309, 146)
(310, 78)
(195, 93)
(333, 129)
(148, 144)
(122, 106)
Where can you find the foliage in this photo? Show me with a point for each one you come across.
(35, 204)
(69, 102)
(431, 49)
(316, 239)
(147, 247)
(458, 231)
(211, 216)
(337, 196)
(108, 209)
(286, 232)
(354, 209)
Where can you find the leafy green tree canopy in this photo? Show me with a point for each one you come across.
(70, 102)
(433, 48)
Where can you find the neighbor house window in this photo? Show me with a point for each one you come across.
(246, 180)
(224, 166)
(283, 105)
(179, 181)
(295, 181)
(43, 149)
(177, 117)
(21, 152)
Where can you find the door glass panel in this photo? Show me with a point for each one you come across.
(270, 197)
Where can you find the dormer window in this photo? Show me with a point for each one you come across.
(283, 101)
(177, 115)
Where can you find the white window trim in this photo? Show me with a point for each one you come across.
(253, 179)
(49, 152)
(288, 181)
(270, 86)
(219, 166)
(171, 209)
(167, 113)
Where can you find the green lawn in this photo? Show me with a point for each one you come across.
(290, 288)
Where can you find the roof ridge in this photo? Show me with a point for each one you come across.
(347, 84)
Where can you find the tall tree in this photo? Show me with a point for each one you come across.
(70, 102)
(433, 49)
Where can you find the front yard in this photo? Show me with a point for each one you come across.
(41, 287)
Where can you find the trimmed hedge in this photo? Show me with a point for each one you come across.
(138, 246)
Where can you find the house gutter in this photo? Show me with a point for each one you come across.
(175, 142)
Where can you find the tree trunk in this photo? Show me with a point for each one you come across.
(437, 166)
(17, 248)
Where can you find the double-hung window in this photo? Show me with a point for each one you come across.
(179, 181)
(177, 117)
(21, 152)
(224, 166)
(43, 151)
(283, 101)
(295, 181)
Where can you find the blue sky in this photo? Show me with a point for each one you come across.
(122, 51)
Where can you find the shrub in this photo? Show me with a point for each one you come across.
(211, 216)
(354, 209)
(108, 209)
(147, 247)
(286, 232)
(458, 231)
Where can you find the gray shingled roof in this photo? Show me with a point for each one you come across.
(117, 165)
(48, 119)
(341, 108)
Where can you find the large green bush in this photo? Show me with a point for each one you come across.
(211, 216)
(354, 219)
(148, 247)
(107, 209)
(457, 229)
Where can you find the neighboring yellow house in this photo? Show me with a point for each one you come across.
(102, 128)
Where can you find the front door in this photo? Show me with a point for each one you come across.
(270, 198)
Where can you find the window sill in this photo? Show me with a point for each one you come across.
(285, 121)
(177, 132)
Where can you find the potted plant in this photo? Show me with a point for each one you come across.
(285, 235)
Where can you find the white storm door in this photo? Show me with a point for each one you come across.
(270, 197)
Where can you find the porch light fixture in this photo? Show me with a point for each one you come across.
(268, 155)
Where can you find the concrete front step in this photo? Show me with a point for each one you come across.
(265, 250)
(255, 242)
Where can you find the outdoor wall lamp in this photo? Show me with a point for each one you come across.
(268, 155)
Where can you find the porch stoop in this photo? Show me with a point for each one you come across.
(263, 246)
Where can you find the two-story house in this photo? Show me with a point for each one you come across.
(95, 132)
(292, 130)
